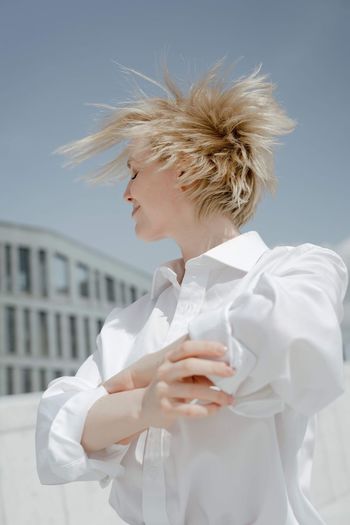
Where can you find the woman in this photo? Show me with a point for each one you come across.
(200, 401)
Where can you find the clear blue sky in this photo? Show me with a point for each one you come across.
(57, 56)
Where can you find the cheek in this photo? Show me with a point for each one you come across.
(157, 197)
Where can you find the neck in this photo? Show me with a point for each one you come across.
(199, 238)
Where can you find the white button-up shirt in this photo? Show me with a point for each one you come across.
(279, 312)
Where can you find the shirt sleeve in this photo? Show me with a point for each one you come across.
(61, 415)
(284, 336)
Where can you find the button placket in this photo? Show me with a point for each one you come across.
(154, 491)
(191, 298)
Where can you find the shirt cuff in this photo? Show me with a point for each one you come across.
(67, 458)
(216, 326)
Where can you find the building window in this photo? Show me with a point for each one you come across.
(99, 325)
(8, 268)
(133, 293)
(42, 379)
(110, 290)
(27, 331)
(43, 334)
(10, 383)
(83, 280)
(60, 274)
(26, 380)
(58, 333)
(57, 373)
(24, 284)
(97, 286)
(42, 260)
(10, 320)
(123, 292)
(73, 337)
(87, 336)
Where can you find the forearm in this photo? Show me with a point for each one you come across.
(113, 418)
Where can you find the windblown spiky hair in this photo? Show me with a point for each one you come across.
(222, 137)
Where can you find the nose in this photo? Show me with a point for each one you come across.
(126, 195)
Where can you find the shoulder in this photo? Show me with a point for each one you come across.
(303, 254)
(307, 261)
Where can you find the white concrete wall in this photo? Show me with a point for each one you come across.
(331, 469)
(24, 501)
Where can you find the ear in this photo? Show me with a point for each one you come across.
(179, 175)
(182, 188)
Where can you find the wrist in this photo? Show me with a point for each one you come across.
(140, 422)
(141, 413)
(139, 372)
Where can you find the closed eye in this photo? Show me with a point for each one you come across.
(134, 177)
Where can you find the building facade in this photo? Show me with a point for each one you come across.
(55, 294)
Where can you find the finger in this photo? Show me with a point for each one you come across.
(192, 348)
(188, 409)
(170, 372)
(188, 391)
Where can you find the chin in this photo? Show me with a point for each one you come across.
(149, 236)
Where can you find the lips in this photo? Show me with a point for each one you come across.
(135, 210)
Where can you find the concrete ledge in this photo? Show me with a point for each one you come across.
(23, 500)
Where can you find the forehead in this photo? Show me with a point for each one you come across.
(137, 159)
(138, 151)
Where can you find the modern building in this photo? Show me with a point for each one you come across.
(55, 294)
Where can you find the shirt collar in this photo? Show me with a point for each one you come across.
(241, 252)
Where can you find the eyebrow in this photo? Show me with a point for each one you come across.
(128, 162)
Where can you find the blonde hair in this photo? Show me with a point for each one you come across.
(221, 137)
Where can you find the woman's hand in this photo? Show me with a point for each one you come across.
(181, 378)
(140, 373)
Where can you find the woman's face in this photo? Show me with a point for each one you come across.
(160, 208)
